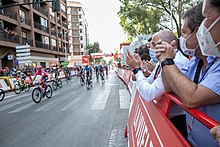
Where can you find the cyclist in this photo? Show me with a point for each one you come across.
(43, 75)
(106, 70)
(88, 71)
(101, 71)
(22, 75)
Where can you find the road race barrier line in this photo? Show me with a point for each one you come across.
(7, 83)
(148, 122)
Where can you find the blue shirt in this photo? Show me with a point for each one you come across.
(87, 69)
(198, 134)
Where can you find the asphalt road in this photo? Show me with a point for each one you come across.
(73, 117)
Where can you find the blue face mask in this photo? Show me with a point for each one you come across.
(153, 57)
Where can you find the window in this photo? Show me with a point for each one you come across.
(81, 45)
(45, 40)
(80, 16)
(81, 38)
(63, 7)
(43, 64)
(81, 31)
(79, 9)
(54, 43)
(24, 34)
(80, 23)
(22, 15)
(44, 22)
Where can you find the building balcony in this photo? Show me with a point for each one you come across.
(63, 12)
(53, 18)
(40, 9)
(53, 32)
(61, 50)
(28, 41)
(8, 13)
(41, 27)
(55, 48)
(9, 37)
(64, 25)
(41, 45)
(26, 21)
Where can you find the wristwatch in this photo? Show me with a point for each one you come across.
(136, 70)
(167, 61)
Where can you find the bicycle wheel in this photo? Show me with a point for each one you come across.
(49, 91)
(26, 88)
(59, 82)
(17, 88)
(37, 95)
(2, 94)
(87, 84)
(54, 85)
(82, 82)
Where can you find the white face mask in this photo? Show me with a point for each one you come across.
(206, 42)
(187, 51)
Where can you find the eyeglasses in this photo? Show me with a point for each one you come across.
(152, 43)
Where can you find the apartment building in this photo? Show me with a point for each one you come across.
(78, 31)
(36, 25)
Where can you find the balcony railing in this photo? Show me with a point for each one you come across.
(41, 45)
(8, 13)
(61, 50)
(26, 1)
(26, 21)
(9, 37)
(53, 18)
(59, 21)
(55, 48)
(64, 12)
(28, 41)
(41, 27)
(40, 9)
(53, 32)
(64, 25)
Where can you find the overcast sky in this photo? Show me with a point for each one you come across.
(103, 23)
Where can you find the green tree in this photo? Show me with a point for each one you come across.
(149, 16)
(93, 48)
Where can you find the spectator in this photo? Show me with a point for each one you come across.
(211, 9)
(152, 87)
(196, 83)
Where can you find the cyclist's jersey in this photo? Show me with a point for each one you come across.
(96, 68)
(88, 70)
(41, 73)
(81, 71)
(23, 76)
(101, 69)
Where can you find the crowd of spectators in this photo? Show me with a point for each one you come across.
(194, 80)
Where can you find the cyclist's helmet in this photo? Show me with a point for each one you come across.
(38, 67)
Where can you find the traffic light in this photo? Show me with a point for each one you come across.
(56, 6)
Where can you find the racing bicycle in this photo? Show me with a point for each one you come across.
(39, 92)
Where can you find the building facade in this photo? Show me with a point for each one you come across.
(36, 25)
(78, 31)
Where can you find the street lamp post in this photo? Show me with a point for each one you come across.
(65, 32)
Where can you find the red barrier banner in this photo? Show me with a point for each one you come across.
(147, 126)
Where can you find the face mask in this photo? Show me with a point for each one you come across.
(206, 42)
(152, 53)
(190, 52)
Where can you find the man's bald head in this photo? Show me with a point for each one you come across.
(164, 35)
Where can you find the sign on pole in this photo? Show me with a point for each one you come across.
(23, 54)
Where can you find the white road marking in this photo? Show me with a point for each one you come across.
(15, 97)
(112, 138)
(101, 100)
(70, 105)
(23, 108)
(50, 104)
(13, 104)
(124, 98)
